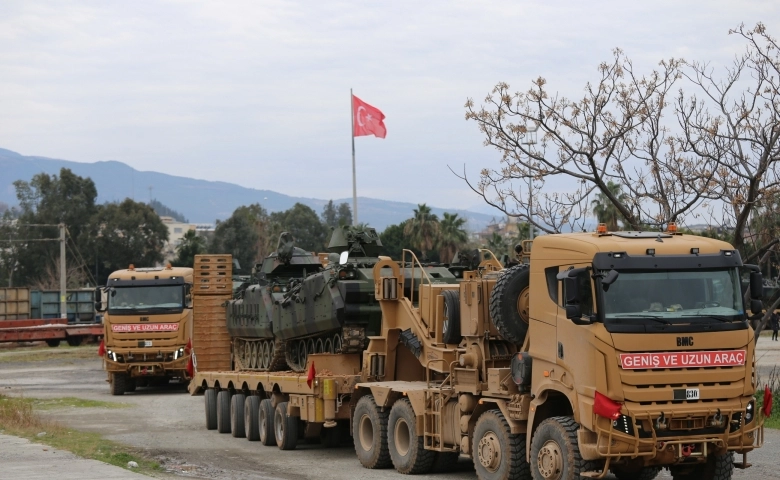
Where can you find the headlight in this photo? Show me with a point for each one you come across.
(178, 353)
(749, 411)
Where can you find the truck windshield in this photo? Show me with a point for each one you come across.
(674, 297)
(152, 299)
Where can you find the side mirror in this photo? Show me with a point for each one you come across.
(99, 300)
(571, 291)
(756, 286)
(756, 306)
(609, 279)
(573, 311)
(343, 257)
(187, 296)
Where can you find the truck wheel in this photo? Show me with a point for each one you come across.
(118, 383)
(644, 473)
(369, 431)
(498, 454)
(285, 428)
(237, 415)
(445, 462)
(223, 411)
(451, 327)
(251, 427)
(74, 341)
(53, 343)
(717, 467)
(554, 450)
(265, 420)
(210, 401)
(407, 450)
(509, 304)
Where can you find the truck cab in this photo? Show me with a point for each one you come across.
(148, 326)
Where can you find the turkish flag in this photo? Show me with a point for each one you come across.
(311, 375)
(101, 348)
(767, 409)
(367, 120)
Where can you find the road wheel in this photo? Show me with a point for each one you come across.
(210, 401)
(251, 427)
(717, 467)
(223, 411)
(54, 342)
(498, 454)
(445, 462)
(509, 303)
(74, 341)
(265, 421)
(285, 428)
(237, 415)
(644, 473)
(407, 450)
(451, 325)
(555, 453)
(118, 383)
(369, 431)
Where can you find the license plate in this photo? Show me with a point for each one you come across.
(686, 394)
(144, 343)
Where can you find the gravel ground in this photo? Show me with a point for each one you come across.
(168, 424)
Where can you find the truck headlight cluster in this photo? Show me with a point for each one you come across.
(111, 354)
(750, 412)
(178, 353)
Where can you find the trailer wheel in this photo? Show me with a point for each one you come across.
(445, 462)
(554, 450)
(717, 467)
(369, 431)
(210, 402)
(451, 326)
(251, 427)
(265, 421)
(407, 450)
(285, 428)
(498, 454)
(74, 341)
(509, 303)
(223, 411)
(118, 383)
(237, 415)
(53, 342)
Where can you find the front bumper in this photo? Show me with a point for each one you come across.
(152, 366)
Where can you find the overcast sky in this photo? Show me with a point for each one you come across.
(257, 92)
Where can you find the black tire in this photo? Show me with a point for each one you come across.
(407, 450)
(717, 467)
(497, 453)
(445, 462)
(223, 411)
(130, 386)
(451, 326)
(285, 428)
(210, 402)
(74, 341)
(510, 291)
(265, 423)
(118, 383)
(644, 473)
(251, 409)
(53, 343)
(557, 433)
(369, 431)
(237, 415)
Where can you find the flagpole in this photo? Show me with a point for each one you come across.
(354, 184)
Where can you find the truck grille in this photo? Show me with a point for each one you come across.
(656, 386)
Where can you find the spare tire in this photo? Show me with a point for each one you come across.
(509, 304)
(451, 324)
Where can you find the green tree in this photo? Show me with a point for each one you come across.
(394, 240)
(304, 225)
(126, 233)
(248, 235)
(344, 214)
(422, 230)
(191, 244)
(165, 211)
(336, 215)
(497, 244)
(452, 236)
(605, 210)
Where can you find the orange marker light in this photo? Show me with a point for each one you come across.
(602, 228)
(672, 227)
(546, 373)
(131, 267)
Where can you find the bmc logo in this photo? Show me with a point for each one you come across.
(684, 341)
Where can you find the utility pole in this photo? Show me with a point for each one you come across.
(63, 280)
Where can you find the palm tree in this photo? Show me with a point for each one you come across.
(191, 244)
(497, 244)
(606, 211)
(451, 236)
(423, 229)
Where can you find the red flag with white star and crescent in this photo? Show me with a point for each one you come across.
(367, 120)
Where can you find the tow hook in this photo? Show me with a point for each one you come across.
(660, 445)
(687, 450)
(660, 422)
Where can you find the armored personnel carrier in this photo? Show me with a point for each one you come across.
(300, 303)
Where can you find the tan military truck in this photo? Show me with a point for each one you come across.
(625, 352)
(147, 324)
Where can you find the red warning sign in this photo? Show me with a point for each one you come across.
(718, 358)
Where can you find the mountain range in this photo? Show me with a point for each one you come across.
(201, 201)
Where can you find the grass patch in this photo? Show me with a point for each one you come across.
(18, 417)
(69, 402)
(773, 380)
(45, 353)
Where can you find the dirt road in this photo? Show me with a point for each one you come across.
(168, 424)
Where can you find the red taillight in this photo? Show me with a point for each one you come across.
(604, 407)
(767, 408)
(102, 349)
(188, 348)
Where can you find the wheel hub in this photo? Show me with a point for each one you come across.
(550, 461)
(522, 304)
(489, 451)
